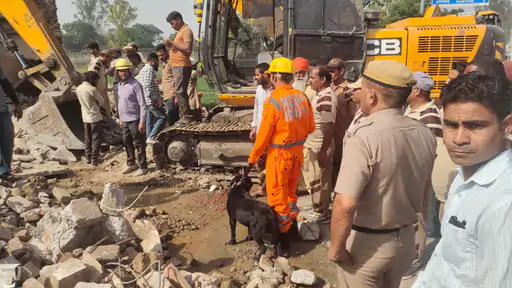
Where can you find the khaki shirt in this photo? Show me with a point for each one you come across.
(168, 86)
(324, 106)
(178, 58)
(386, 168)
(343, 118)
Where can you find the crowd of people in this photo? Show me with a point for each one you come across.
(387, 149)
(381, 144)
(143, 111)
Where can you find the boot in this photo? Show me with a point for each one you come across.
(294, 231)
(284, 244)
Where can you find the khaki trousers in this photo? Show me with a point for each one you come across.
(380, 260)
(318, 181)
(420, 236)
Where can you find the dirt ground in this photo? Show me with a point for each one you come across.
(195, 226)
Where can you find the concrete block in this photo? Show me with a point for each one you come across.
(69, 274)
(19, 204)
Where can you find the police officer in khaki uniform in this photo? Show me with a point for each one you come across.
(383, 182)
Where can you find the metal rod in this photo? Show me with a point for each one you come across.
(422, 7)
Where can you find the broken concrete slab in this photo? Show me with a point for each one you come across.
(32, 283)
(176, 278)
(304, 277)
(4, 194)
(112, 199)
(46, 169)
(23, 158)
(62, 195)
(105, 253)
(260, 278)
(284, 265)
(31, 215)
(19, 204)
(118, 228)
(149, 235)
(63, 156)
(265, 264)
(68, 274)
(95, 270)
(83, 213)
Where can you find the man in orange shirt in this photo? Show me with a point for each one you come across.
(287, 121)
(181, 49)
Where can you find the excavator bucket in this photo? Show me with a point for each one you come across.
(61, 124)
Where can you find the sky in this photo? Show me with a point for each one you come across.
(148, 12)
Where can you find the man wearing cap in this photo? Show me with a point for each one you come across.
(100, 66)
(422, 108)
(346, 109)
(286, 122)
(132, 114)
(318, 149)
(181, 49)
(136, 50)
(383, 182)
(301, 81)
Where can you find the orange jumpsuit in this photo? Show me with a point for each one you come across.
(287, 121)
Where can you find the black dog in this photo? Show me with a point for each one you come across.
(258, 217)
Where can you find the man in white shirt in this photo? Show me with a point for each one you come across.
(475, 249)
(262, 92)
(90, 102)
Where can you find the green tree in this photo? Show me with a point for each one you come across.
(173, 36)
(121, 15)
(92, 12)
(146, 35)
(77, 34)
(401, 9)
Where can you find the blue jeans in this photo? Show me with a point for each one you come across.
(155, 121)
(6, 142)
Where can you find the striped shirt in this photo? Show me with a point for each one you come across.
(429, 115)
(476, 247)
(147, 78)
(325, 106)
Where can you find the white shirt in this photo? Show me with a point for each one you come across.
(90, 102)
(259, 99)
(479, 255)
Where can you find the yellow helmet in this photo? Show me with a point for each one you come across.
(123, 64)
(281, 65)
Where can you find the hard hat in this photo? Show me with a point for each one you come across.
(123, 64)
(281, 65)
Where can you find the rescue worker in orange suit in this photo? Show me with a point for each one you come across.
(287, 121)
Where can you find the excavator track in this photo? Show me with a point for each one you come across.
(204, 144)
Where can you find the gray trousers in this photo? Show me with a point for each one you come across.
(6, 142)
(181, 80)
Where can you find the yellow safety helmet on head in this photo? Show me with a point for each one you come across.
(123, 64)
(281, 65)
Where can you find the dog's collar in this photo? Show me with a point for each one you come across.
(269, 245)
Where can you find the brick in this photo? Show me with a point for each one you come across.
(68, 274)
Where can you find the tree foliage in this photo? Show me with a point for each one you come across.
(78, 34)
(92, 12)
(446, 12)
(146, 35)
(121, 15)
(401, 9)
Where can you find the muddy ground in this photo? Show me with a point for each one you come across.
(195, 226)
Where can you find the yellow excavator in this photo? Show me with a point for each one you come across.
(34, 61)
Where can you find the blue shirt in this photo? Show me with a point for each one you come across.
(132, 105)
(480, 254)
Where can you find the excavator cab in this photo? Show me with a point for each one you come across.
(237, 35)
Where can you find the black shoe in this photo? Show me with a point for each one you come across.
(294, 231)
(284, 244)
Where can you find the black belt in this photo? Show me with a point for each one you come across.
(378, 231)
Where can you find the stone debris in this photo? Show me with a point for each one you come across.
(265, 264)
(260, 278)
(31, 216)
(68, 274)
(152, 279)
(63, 156)
(62, 195)
(5, 234)
(112, 200)
(83, 213)
(284, 265)
(105, 254)
(304, 277)
(19, 204)
(32, 283)
(92, 285)
(309, 230)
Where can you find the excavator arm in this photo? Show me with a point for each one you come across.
(55, 120)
